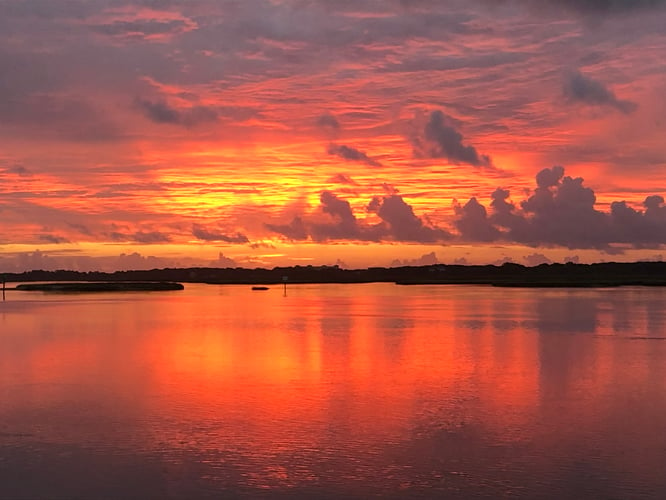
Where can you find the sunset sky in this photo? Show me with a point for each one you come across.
(255, 133)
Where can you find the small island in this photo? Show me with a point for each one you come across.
(104, 286)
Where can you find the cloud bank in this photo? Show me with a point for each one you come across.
(561, 212)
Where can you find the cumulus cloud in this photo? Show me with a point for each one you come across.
(642, 228)
(201, 232)
(33, 260)
(51, 261)
(224, 261)
(440, 139)
(428, 259)
(561, 212)
(536, 259)
(344, 227)
(402, 223)
(349, 153)
(506, 260)
(398, 222)
(584, 90)
(136, 261)
(473, 223)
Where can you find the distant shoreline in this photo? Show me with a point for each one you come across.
(609, 274)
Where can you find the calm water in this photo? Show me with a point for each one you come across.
(334, 391)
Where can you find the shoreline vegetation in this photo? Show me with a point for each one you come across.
(609, 274)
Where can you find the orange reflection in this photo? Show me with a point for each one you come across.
(362, 380)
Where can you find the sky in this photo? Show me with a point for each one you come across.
(260, 133)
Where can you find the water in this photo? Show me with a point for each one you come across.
(334, 391)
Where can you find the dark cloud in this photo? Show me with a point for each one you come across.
(440, 139)
(606, 6)
(584, 8)
(261, 244)
(503, 211)
(345, 226)
(147, 237)
(295, 230)
(80, 228)
(564, 214)
(351, 154)
(642, 228)
(19, 170)
(581, 89)
(401, 222)
(150, 237)
(473, 223)
(549, 177)
(336, 207)
(44, 114)
(202, 233)
(328, 122)
(52, 238)
(159, 111)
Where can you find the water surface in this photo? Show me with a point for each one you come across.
(334, 390)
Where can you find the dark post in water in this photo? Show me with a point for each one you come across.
(3, 287)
